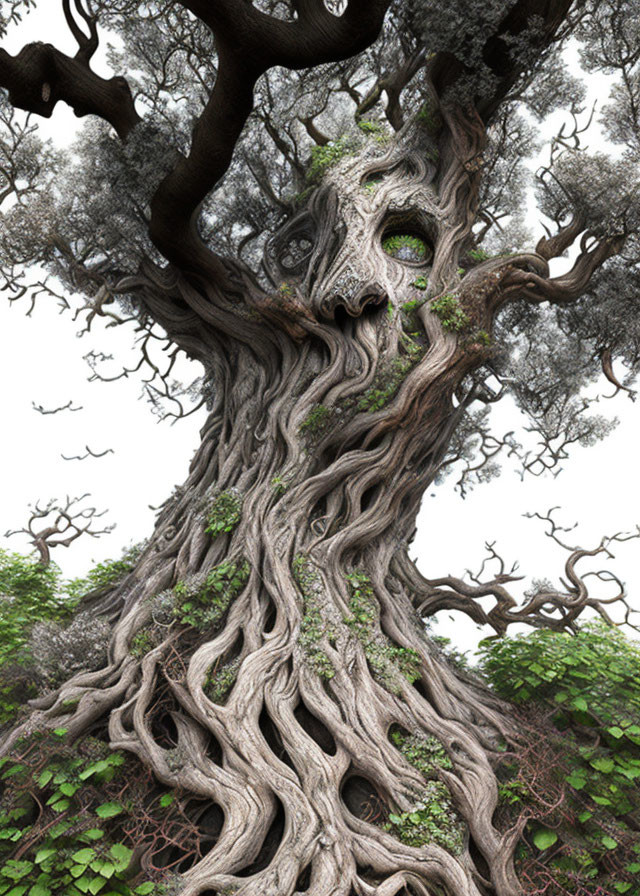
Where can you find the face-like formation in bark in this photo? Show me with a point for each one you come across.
(387, 215)
(367, 235)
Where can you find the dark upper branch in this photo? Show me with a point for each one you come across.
(87, 45)
(316, 37)
(249, 42)
(39, 76)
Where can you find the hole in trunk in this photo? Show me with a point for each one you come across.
(362, 799)
(210, 825)
(421, 690)
(302, 884)
(369, 497)
(270, 845)
(199, 824)
(270, 618)
(213, 749)
(164, 731)
(342, 318)
(316, 730)
(272, 736)
(367, 874)
(481, 864)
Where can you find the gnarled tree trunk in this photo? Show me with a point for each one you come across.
(286, 668)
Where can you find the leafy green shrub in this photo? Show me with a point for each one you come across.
(225, 512)
(325, 157)
(204, 603)
(73, 816)
(105, 575)
(452, 317)
(29, 592)
(580, 697)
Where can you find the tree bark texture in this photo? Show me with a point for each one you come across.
(276, 596)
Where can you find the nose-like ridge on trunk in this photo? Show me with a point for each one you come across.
(367, 299)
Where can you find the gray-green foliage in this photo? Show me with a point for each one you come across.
(85, 212)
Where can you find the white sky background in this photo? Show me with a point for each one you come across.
(41, 361)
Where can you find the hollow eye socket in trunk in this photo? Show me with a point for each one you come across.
(407, 245)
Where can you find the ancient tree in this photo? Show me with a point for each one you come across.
(322, 203)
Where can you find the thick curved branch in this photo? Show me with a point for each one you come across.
(249, 42)
(568, 287)
(39, 77)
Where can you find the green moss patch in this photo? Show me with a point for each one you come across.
(406, 247)
(203, 604)
(314, 626)
(386, 660)
(325, 157)
(220, 680)
(432, 819)
(316, 421)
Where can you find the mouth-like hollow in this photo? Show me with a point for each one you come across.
(369, 305)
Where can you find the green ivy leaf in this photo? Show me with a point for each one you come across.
(15, 869)
(108, 810)
(84, 856)
(544, 838)
(122, 855)
(609, 842)
(576, 780)
(39, 890)
(94, 769)
(44, 777)
(603, 765)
